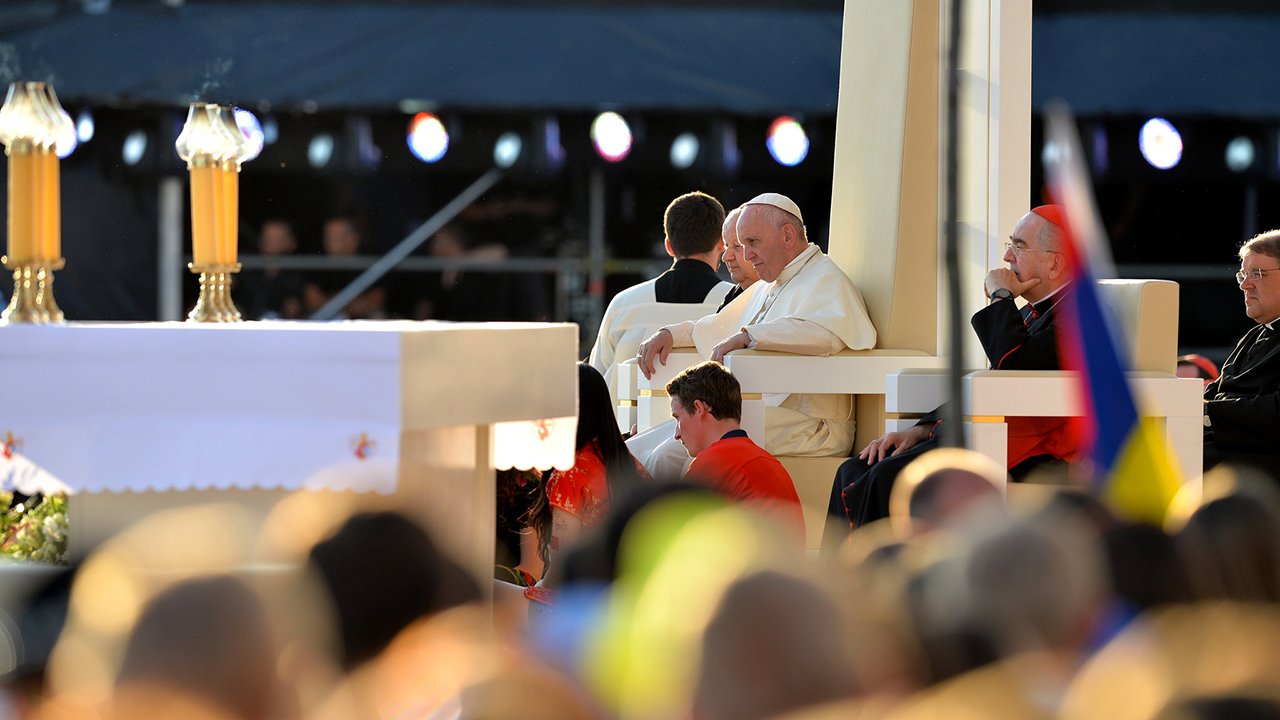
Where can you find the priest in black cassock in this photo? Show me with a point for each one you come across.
(1242, 407)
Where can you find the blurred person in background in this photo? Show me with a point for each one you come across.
(1032, 592)
(516, 554)
(37, 627)
(1147, 570)
(382, 573)
(201, 649)
(1232, 550)
(527, 691)
(273, 293)
(1225, 642)
(774, 645)
(1242, 406)
(343, 237)
(1237, 707)
(466, 295)
(945, 487)
(578, 499)
(1197, 366)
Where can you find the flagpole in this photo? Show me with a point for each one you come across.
(953, 433)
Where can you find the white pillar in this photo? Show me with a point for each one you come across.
(169, 263)
(995, 137)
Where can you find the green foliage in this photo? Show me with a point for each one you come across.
(35, 532)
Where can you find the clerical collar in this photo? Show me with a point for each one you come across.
(692, 264)
(792, 269)
(1048, 302)
(734, 433)
(796, 264)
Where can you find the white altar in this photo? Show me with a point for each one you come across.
(130, 418)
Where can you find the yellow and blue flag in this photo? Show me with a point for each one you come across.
(1128, 462)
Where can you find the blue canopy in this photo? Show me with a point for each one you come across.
(753, 60)
(1224, 65)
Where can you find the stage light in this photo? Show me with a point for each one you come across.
(553, 155)
(730, 159)
(84, 126)
(270, 131)
(1240, 154)
(1101, 156)
(1160, 143)
(684, 151)
(252, 129)
(787, 142)
(320, 151)
(611, 135)
(1049, 154)
(428, 140)
(135, 146)
(507, 150)
(66, 145)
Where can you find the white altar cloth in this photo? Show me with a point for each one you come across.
(158, 406)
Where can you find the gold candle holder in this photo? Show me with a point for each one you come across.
(214, 304)
(213, 146)
(33, 126)
(32, 300)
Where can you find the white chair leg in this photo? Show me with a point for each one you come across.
(753, 420)
(990, 439)
(1186, 436)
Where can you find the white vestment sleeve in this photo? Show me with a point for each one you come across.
(681, 333)
(793, 335)
(602, 353)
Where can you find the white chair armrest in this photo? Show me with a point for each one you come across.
(853, 372)
(1052, 393)
(628, 391)
(677, 362)
(915, 391)
(647, 396)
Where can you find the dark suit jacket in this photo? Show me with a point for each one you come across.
(1019, 340)
(1015, 338)
(1243, 404)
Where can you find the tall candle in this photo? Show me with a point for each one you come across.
(229, 170)
(23, 189)
(51, 206)
(205, 222)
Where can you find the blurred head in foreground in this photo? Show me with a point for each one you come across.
(1232, 549)
(943, 487)
(1017, 587)
(1146, 569)
(383, 573)
(1232, 707)
(207, 641)
(773, 645)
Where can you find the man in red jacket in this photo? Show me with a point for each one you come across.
(706, 402)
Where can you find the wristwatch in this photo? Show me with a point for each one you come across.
(1002, 294)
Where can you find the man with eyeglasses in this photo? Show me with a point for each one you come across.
(1013, 338)
(1242, 407)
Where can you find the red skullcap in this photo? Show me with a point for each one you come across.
(1203, 363)
(1052, 213)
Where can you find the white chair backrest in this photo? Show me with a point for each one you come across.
(1148, 310)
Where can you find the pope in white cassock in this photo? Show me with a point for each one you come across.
(805, 304)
